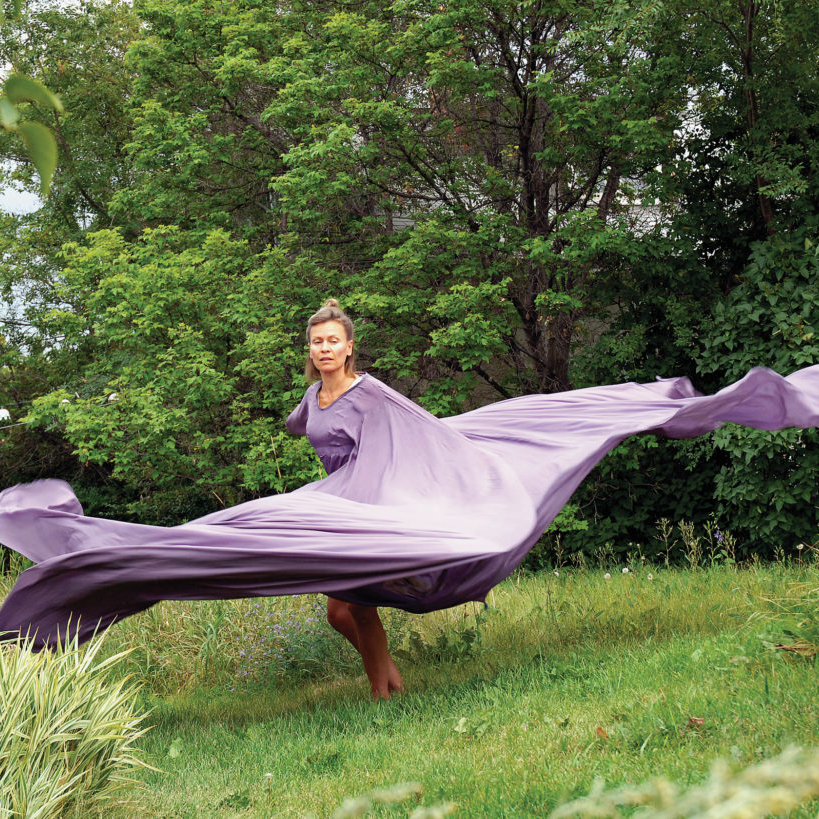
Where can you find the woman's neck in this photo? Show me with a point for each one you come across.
(336, 382)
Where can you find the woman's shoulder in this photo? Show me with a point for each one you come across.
(386, 395)
(367, 389)
(296, 422)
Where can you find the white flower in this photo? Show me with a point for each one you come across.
(5, 415)
(557, 573)
(65, 401)
(113, 397)
(607, 576)
(651, 577)
(625, 569)
(800, 546)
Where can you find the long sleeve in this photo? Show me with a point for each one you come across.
(296, 422)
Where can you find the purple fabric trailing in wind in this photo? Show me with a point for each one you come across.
(417, 512)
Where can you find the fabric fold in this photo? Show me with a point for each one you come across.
(423, 513)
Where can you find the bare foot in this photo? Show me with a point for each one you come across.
(394, 682)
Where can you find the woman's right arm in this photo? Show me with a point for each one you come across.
(296, 422)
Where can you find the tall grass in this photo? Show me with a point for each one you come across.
(626, 672)
(234, 645)
(68, 729)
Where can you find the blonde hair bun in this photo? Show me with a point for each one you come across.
(331, 303)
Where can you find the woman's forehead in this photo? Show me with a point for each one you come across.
(328, 328)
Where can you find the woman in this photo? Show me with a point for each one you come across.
(331, 358)
(416, 512)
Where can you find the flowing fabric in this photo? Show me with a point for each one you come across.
(418, 512)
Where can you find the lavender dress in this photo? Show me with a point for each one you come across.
(417, 512)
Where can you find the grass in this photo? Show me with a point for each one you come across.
(67, 732)
(510, 712)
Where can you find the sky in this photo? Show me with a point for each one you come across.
(18, 202)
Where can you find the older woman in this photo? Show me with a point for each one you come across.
(331, 358)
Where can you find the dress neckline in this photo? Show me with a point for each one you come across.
(335, 400)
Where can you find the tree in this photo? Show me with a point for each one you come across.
(513, 135)
(738, 196)
(78, 53)
(511, 197)
(189, 369)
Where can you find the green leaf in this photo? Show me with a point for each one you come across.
(24, 89)
(8, 113)
(42, 149)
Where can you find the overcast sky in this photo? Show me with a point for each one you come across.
(13, 201)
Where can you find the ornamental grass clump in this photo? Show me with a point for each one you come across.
(67, 731)
(773, 787)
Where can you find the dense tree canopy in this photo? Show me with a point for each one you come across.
(510, 197)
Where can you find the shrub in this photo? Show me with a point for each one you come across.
(68, 729)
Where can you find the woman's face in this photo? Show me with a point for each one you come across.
(329, 346)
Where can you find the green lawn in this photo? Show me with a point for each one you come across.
(563, 680)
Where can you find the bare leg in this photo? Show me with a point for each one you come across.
(362, 626)
(339, 617)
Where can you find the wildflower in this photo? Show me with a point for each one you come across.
(5, 415)
(557, 573)
(650, 576)
(800, 546)
(607, 576)
(625, 569)
(718, 536)
(113, 397)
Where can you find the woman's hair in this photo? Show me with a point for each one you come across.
(330, 311)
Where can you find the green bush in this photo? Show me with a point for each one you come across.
(68, 729)
(767, 490)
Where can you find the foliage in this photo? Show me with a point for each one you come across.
(77, 52)
(40, 144)
(68, 729)
(191, 366)
(478, 123)
(774, 787)
(742, 170)
(41, 147)
(767, 486)
(509, 197)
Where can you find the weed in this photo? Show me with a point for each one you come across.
(691, 542)
(793, 625)
(664, 531)
(604, 555)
